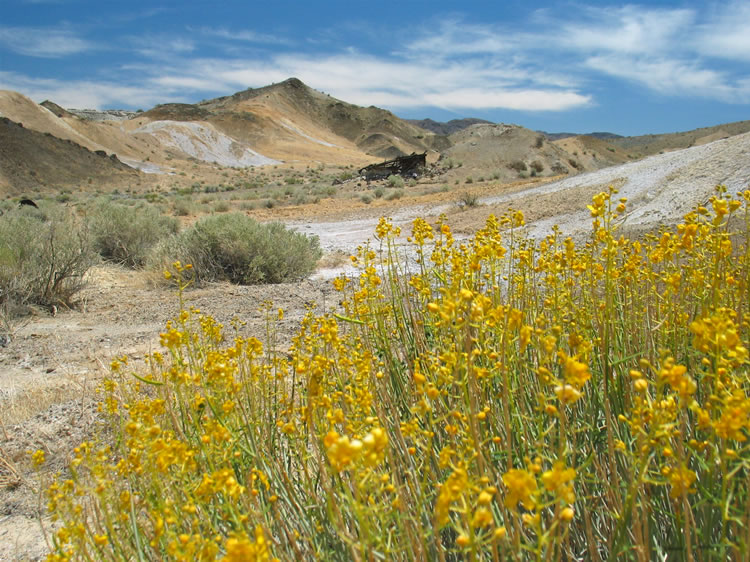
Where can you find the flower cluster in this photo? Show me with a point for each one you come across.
(498, 398)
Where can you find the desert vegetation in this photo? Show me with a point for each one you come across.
(499, 398)
(238, 249)
(44, 254)
(126, 234)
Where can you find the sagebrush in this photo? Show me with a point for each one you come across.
(238, 249)
(126, 234)
(44, 255)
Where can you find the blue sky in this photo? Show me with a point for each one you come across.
(638, 68)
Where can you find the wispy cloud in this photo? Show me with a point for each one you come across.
(726, 33)
(673, 77)
(160, 47)
(243, 35)
(82, 93)
(43, 42)
(629, 29)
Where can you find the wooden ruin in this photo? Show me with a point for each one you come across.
(407, 166)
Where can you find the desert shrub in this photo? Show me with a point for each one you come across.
(457, 412)
(125, 235)
(412, 182)
(468, 199)
(238, 249)
(395, 181)
(221, 207)
(395, 194)
(469, 180)
(559, 168)
(183, 207)
(44, 255)
(536, 166)
(518, 166)
(379, 191)
(539, 142)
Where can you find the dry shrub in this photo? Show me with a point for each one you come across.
(44, 254)
(125, 235)
(238, 249)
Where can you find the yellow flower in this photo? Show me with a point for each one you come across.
(38, 457)
(681, 479)
(482, 518)
(557, 479)
(567, 394)
(450, 490)
(521, 486)
(242, 549)
(342, 452)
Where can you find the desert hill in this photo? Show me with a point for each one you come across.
(286, 122)
(447, 127)
(596, 135)
(508, 152)
(28, 159)
(289, 123)
(304, 111)
(645, 145)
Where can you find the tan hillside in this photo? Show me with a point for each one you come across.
(372, 130)
(506, 152)
(30, 160)
(588, 153)
(31, 115)
(645, 145)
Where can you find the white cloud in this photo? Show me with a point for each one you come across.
(244, 35)
(43, 42)
(398, 83)
(83, 94)
(629, 29)
(454, 38)
(672, 77)
(726, 33)
(161, 47)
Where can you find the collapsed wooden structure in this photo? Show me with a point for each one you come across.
(408, 166)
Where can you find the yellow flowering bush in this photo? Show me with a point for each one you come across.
(500, 398)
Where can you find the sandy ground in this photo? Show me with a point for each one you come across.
(660, 189)
(49, 369)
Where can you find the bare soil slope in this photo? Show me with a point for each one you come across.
(645, 145)
(374, 131)
(507, 152)
(31, 161)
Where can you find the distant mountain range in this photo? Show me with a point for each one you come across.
(449, 127)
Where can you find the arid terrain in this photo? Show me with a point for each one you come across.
(282, 153)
